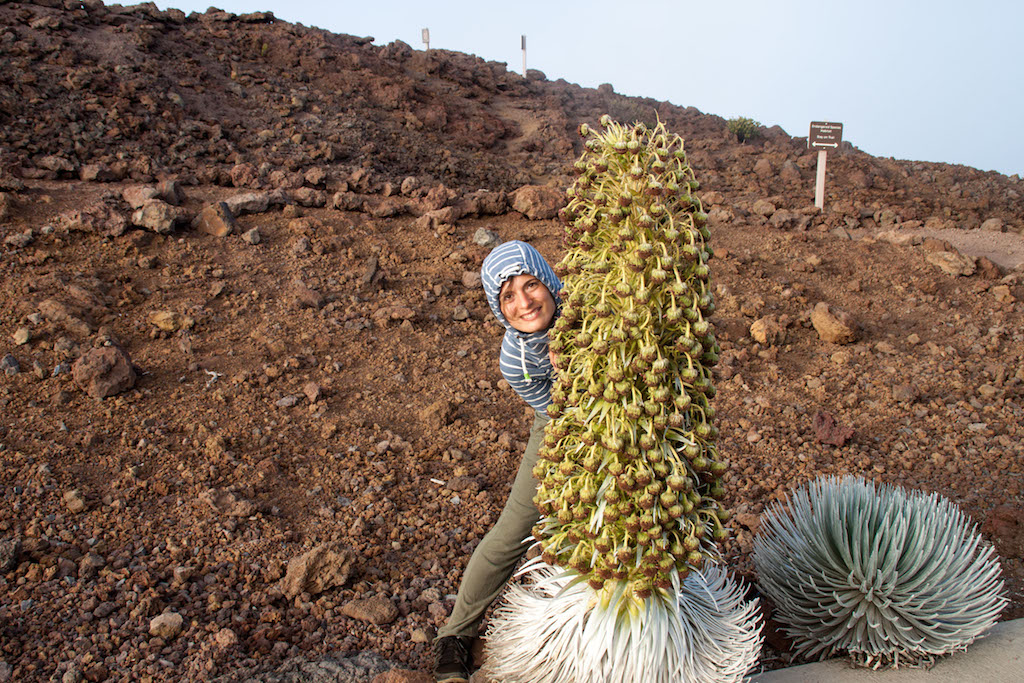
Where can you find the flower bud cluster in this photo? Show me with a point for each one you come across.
(630, 475)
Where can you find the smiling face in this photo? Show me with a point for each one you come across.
(526, 303)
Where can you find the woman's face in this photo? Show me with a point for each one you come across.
(526, 303)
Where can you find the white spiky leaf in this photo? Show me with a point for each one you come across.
(875, 571)
(553, 628)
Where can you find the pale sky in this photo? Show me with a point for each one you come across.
(930, 80)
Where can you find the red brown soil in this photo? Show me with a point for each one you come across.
(406, 396)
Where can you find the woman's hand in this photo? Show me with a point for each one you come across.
(551, 357)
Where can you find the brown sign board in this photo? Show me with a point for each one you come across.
(825, 135)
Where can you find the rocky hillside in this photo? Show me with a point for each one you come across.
(251, 422)
(115, 92)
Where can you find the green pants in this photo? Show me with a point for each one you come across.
(495, 558)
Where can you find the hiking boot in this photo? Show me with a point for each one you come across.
(452, 659)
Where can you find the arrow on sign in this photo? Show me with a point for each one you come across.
(824, 144)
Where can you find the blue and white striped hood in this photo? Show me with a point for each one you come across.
(524, 358)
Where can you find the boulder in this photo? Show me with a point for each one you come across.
(952, 262)
(378, 611)
(249, 202)
(486, 238)
(763, 207)
(158, 216)
(100, 217)
(169, 321)
(538, 202)
(438, 414)
(136, 196)
(326, 566)
(167, 625)
(993, 225)
(104, 371)
(763, 168)
(790, 171)
(10, 549)
(244, 175)
(484, 203)
(97, 173)
(74, 501)
(834, 327)
(216, 220)
(789, 220)
(309, 197)
(170, 191)
(767, 330)
(827, 430)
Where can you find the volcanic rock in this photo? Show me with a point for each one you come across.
(326, 566)
(19, 240)
(378, 611)
(101, 217)
(767, 330)
(74, 501)
(104, 371)
(137, 195)
(827, 430)
(158, 216)
(250, 202)
(167, 625)
(906, 393)
(9, 551)
(538, 202)
(763, 207)
(438, 414)
(170, 321)
(486, 238)
(98, 173)
(834, 327)
(170, 191)
(484, 203)
(952, 262)
(215, 219)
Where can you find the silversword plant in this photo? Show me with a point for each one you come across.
(886, 575)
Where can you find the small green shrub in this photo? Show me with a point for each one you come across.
(744, 128)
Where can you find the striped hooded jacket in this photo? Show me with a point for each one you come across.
(524, 358)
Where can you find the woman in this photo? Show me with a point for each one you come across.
(522, 291)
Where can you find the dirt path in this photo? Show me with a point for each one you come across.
(1004, 248)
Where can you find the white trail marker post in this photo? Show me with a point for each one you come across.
(426, 38)
(524, 56)
(823, 137)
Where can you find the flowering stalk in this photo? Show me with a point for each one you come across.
(630, 475)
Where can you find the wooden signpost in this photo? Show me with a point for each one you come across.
(823, 137)
(426, 38)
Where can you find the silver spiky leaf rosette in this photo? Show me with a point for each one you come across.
(553, 628)
(885, 575)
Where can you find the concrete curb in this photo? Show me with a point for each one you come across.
(998, 657)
